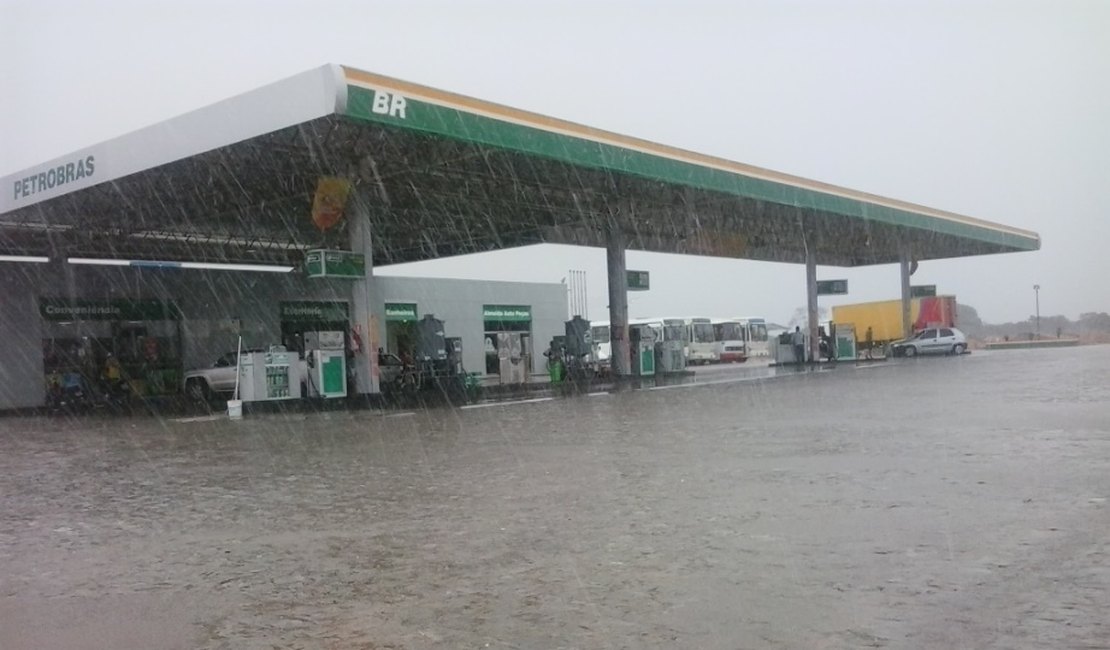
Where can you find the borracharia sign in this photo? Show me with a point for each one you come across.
(400, 311)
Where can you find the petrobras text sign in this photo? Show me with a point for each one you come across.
(53, 176)
(310, 95)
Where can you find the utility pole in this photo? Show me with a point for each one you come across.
(1037, 297)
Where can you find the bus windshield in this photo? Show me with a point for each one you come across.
(728, 332)
(759, 331)
(674, 332)
(703, 333)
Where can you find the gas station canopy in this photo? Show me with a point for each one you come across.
(442, 174)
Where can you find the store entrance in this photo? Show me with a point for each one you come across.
(400, 330)
(292, 333)
(515, 320)
(296, 318)
(400, 338)
(92, 349)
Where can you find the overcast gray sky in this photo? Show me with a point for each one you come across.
(997, 110)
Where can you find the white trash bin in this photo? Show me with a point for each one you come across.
(235, 409)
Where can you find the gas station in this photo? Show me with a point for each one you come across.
(213, 221)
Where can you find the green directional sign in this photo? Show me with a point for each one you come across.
(832, 287)
(638, 280)
(320, 263)
(923, 291)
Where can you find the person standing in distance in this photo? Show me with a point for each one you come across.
(799, 341)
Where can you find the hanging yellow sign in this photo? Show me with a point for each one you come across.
(329, 201)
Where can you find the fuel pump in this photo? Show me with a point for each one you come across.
(578, 344)
(326, 362)
(641, 339)
(671, 349)
(845, 336)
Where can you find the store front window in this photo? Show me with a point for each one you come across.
(94, 346)
(514, 322)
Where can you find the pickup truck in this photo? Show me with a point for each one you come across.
(202, 384)
(218, 380)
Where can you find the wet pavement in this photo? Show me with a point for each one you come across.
(949, 502)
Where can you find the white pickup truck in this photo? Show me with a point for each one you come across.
(218, 380)
(203, 384)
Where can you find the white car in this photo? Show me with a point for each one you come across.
(935, 340)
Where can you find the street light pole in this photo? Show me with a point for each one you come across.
(1037, 297)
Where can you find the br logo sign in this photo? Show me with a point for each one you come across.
(386, 104)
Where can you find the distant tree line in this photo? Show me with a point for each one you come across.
(1092, 326)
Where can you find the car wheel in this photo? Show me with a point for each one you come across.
(197, 390)
(958, 349)
(909, 351)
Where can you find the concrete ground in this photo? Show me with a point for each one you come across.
(926, 503)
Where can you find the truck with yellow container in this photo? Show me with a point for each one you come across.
(884, 318)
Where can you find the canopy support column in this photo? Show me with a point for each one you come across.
(619, 358)
(366, 303)
(907, 315)
(811, 304)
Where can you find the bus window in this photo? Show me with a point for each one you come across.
(728, 332)
(702, 333)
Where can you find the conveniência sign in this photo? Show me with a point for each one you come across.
(60, 309)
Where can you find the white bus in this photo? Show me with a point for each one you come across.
(731, 345)
(702, 343)
(755, 336)
(667, 329)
